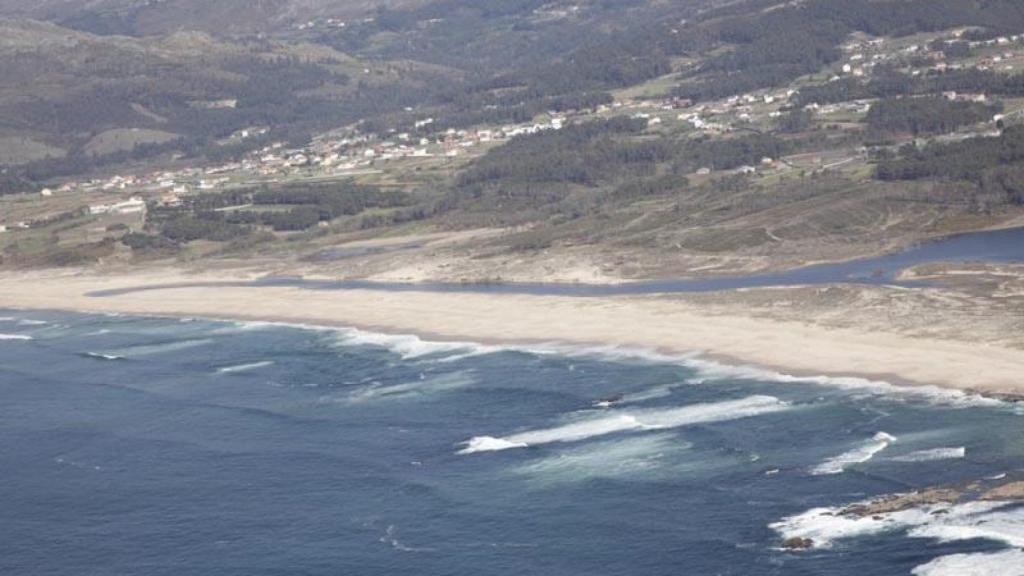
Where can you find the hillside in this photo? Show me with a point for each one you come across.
(595, 140)
(63, 89)
(224, 17)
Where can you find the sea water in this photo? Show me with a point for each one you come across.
(190, 447)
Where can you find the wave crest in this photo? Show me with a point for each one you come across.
(858, 455)
(245, 367)
(933, 454)
(638, 420)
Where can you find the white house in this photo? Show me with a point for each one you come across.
(133, 205)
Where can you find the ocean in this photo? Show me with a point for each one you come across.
(177, 447)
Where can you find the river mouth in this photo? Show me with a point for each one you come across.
(995, 246)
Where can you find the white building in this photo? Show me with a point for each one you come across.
(131, 206)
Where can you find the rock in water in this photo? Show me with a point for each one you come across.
(797, 543)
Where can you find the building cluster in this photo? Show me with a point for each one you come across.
(333, 155)
(863, 55)
(349, 151)
(133, 205)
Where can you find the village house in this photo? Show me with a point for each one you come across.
(133, 205)
(170, 199)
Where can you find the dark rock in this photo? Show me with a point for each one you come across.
(797, 543)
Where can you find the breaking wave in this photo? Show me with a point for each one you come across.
(411, 347)
(993, 521)
(708, 371)
(98, 356)
(23, 321)
(638, 420)
(933, 454)
(489, 444)
(20, 337)
(858, 455)
(245, 367)
(1004, 563)
(413, 389)
(151, 349)
(825, 526)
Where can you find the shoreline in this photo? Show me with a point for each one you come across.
(659, 325)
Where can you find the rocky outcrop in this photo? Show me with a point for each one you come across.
(1010, 491)
(897, 502)
(798, 543)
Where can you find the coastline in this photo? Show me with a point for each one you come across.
(663, 324)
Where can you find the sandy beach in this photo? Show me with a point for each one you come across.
(666, 324)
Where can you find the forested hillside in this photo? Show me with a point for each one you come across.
(697, 125)
(146, 17)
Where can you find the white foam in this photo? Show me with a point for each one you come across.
(20, 337)
(825, 526)
(1005, 525)
(631, 457)
(933, 454)
(251, 325)
(488, 444)
(637, 420)
(150, 349)
(648, 394)
(390, 538)
(858, 455)
(710, 371)
(409, 346)
(244, 367)
(99, 356)
(22, 321)
(606, 352)
(416, 388)
(1004, 563)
